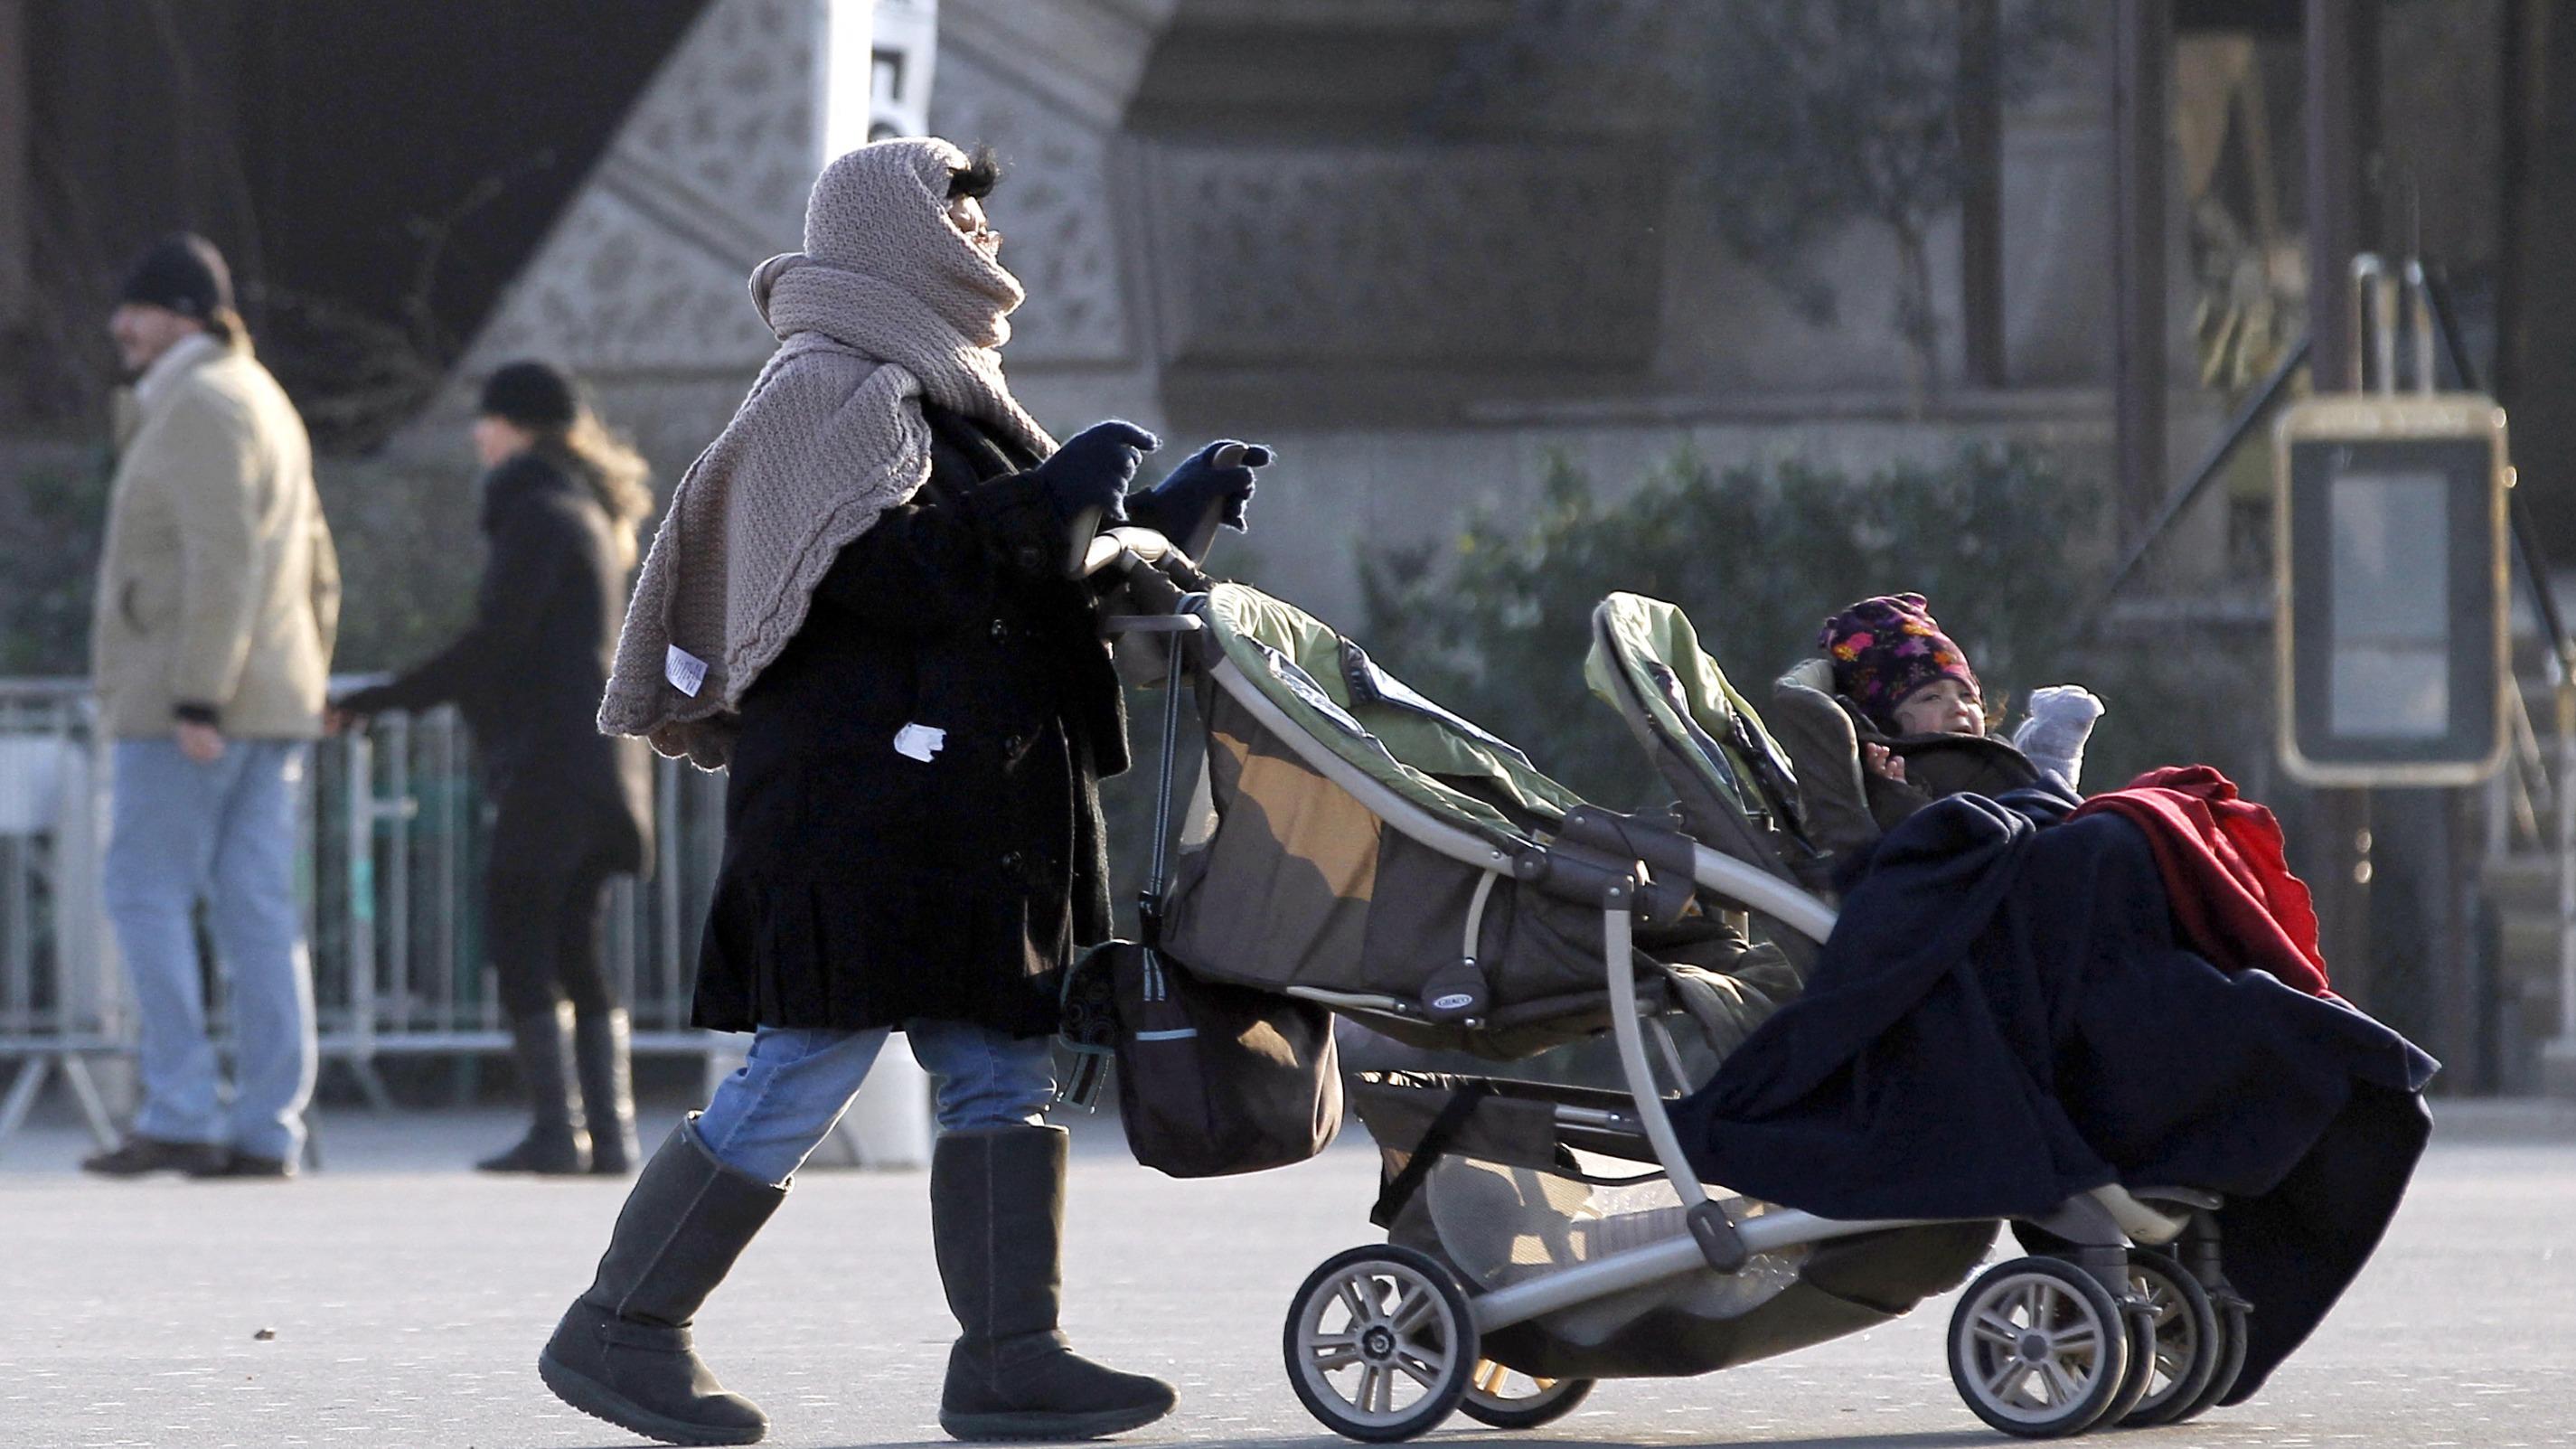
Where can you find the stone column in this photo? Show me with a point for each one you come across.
(14, 200)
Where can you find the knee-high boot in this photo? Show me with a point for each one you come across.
(997, 1221)
(604, 1062)
(555, 1142)
(622, 1352)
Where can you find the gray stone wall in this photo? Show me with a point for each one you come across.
(1258, 235)
(1233, 218)
(641, 288)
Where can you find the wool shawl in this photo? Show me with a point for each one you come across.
(888, 304)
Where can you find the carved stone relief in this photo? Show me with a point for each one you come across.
(1054, 212)
(1408, 255)
(646, 268)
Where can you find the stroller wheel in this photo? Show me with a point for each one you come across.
(2039, 1348)
(2230, 1358)
(1506, 1398)
(1381, 1344)
(2186, 1336)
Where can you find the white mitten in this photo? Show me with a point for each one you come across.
(2061, 720)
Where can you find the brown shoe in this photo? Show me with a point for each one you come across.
(138, 1155)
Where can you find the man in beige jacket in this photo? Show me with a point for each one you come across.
(217, 600)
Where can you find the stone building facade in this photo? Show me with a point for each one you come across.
(1240, 217)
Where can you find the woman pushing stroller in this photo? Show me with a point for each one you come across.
(856, 601)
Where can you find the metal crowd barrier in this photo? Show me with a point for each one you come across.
(396, 927)
(61, 1000)
(387, 865)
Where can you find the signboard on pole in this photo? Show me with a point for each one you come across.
(2389, 577)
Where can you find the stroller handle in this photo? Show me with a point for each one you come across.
(1122, 549)
(1088, 558)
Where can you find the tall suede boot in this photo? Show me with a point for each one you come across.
(997, 1220)
(604, 1062)
(556, 1143)
(622, 1351)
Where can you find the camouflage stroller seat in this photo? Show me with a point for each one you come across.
(1296, 879)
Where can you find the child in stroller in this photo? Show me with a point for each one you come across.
(1889, 716)
(2008, 1010)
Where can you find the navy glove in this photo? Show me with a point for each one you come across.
(1093, 469)
(1183, 498)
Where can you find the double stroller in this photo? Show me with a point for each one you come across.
(1482, 933)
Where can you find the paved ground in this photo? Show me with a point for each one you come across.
(407, 1302)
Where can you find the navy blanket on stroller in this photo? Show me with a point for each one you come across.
(2002, 1018)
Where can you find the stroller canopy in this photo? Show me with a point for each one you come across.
(1739, 793)
(1338, 695)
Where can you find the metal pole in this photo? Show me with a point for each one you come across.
(2367, 274)
(2331, 47)
(2383, 314)
(2565, 1046)
(395, 882)
(358, 879)
(1981, 230)
(2251, 412)
(2333, 186)
(2558, 1057)
(2419, 319)
(2141, 52)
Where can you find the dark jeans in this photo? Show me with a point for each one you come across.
(542, 927)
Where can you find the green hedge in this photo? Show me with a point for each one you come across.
(409, 556)
(1495, 622)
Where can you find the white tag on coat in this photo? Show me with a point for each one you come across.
(919, 741)
(686, 671)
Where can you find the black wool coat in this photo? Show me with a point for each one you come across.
(864, 886)
(2003, 1018)
(528, 673)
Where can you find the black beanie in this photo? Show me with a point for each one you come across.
(535, 395)
(182, 272)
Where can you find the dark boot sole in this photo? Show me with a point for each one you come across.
(1027, 1425)
(601, 1402)
(519, 1169)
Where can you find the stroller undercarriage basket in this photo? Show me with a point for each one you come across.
(1501, 1198)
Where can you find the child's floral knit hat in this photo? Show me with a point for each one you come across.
(1884, 649)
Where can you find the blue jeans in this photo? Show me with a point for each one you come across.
(767, 1116)
(224, 833)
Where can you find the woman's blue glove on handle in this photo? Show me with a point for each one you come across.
(1185, 496)
(1092, 470)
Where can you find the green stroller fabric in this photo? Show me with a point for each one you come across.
(1289, 882)
(1738, 791)
(1424, 752)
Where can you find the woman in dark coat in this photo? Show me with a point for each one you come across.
(836, 907)
(857, 602)
(570, 807)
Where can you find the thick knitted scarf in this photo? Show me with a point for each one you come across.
(888, 304)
